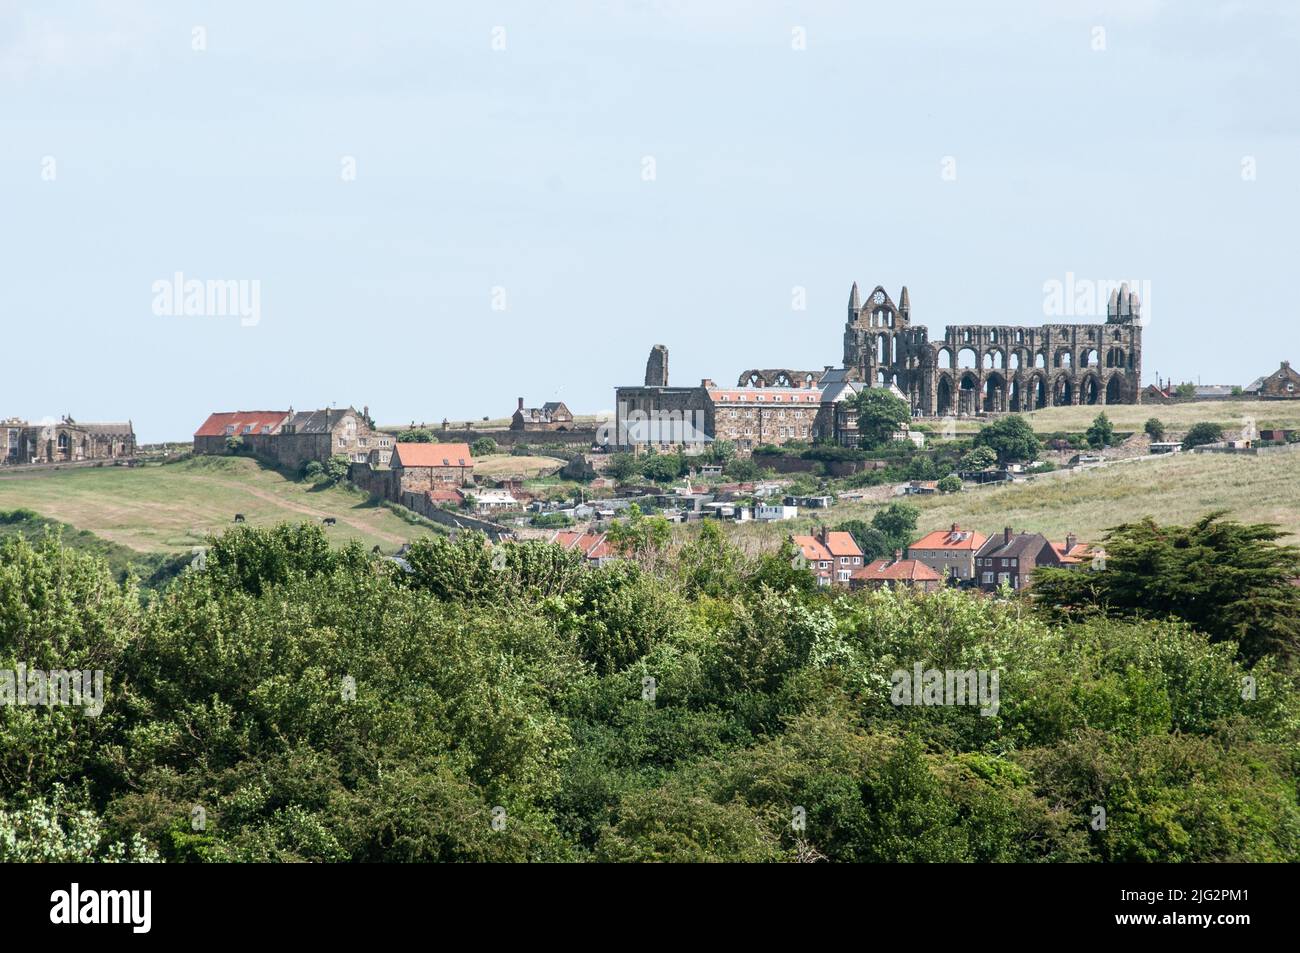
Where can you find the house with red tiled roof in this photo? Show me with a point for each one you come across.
(830, 555)
(949, 552)
(1074, 553)
(896, 573)
(421, 467)
(594, 547)
(247, 425)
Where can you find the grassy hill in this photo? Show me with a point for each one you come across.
(169, 508)
(1173, 489)
(1176, 417)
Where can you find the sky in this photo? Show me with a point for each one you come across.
(440, 207)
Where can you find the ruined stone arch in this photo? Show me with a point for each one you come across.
(1089, 357)
(1115, 389)
(1090, 389)
(962, 358)
(1063, 390)
(943, 395)
(1040, 360)
(1017, 359)
(1064, 358)
(994, 392)
(943, 358)
(1115, 357)
(1038, 390)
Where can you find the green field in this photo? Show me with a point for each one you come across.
(1174, 489)
(172, 507)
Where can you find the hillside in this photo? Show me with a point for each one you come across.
(1172, 489)
(172, 507)
(1176, 417)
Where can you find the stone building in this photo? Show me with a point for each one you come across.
(767, 406)
(321, 434)
(67, 441)
(987, 368)
(552, 415)
(420, 467)
(1284, 382)
(949, 552)
(291, 439)
(252, 427)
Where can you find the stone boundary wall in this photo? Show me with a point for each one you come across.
(419, 503)
(581, 436)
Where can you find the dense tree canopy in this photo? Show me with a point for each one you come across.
(511, 703)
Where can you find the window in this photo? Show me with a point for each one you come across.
(988, 578)
(1004, 577)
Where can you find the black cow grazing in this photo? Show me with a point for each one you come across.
(329, 521)
(239, 517)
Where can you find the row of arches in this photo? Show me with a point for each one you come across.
(971, 393)
(1016, 359)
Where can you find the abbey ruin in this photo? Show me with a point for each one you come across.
(985, 368)
(974, 369)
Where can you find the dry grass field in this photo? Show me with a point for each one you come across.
(499, 465)
(1176, 417)
(1173, 489)
(172, 507)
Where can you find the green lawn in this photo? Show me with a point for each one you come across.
(172, 507)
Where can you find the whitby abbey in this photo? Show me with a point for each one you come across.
(973, 369)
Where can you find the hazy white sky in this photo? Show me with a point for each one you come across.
(1108, 140)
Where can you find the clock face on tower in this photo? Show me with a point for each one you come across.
(878, 297)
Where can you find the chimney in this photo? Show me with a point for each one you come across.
(1070, 540)
(1006, 535)
(521, 404)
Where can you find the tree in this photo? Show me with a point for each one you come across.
(873, 543)
(722, 452)
(623, 466)
(234, 444)
(483, 447)
(416, 435)
(880, 416)
(897, 523)
(1230, 580)
(1011, 438)
(337, 468)
(662, 467)
(979, 458)
(742, 470)
(1155, 429)
(1101, 434)
(950, 484)
(1201, 434)
(1185, 390)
